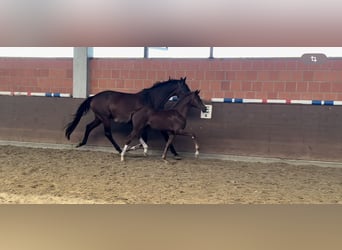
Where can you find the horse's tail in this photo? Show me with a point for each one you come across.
(82, 110)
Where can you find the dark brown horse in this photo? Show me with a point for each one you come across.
(120, 107)
(171, 121)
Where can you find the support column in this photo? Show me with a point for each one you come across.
(80, 72)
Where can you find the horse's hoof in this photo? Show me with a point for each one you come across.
(177, 157)
(79, 145)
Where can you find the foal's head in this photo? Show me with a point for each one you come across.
(197, 102)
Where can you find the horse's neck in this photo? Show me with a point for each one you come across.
(160, 96)
(183, 106)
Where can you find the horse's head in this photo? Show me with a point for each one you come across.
(182, 88)
(197, 102)
(179, 87)
(161, 92)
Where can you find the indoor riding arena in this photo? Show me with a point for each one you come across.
(272, 133)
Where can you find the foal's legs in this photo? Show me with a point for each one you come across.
(184, 133)
(139, 145)
(193, 136)
(89, 128)
(145, 146)
(129, 140)
(144, 138)
(135, 132)
(172, 148)
(169, 141)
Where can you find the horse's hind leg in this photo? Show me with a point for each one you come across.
(108, 134)
(126, 146)
(131, 136)
(172, 148)
(89, 128)
(140, 144)
(145, 146)
(169, 141)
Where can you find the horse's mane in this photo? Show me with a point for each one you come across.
(158, 84)
(144, 93)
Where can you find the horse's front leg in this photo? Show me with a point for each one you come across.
(108, 134)
(193, 136)
(196, 145)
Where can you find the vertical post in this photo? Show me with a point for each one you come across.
(211, 55)
(145, 52)
(80, 72)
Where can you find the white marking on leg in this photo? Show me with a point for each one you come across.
(197, 150)
(135, 147)
(123, 152)
(143, 143)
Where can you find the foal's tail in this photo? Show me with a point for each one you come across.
(82, 110)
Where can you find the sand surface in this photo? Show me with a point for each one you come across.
(66, 176)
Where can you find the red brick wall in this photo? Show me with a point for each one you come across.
(36, 74)
(237, 78)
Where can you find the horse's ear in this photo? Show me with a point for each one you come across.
(197, 91)
(184, 79)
